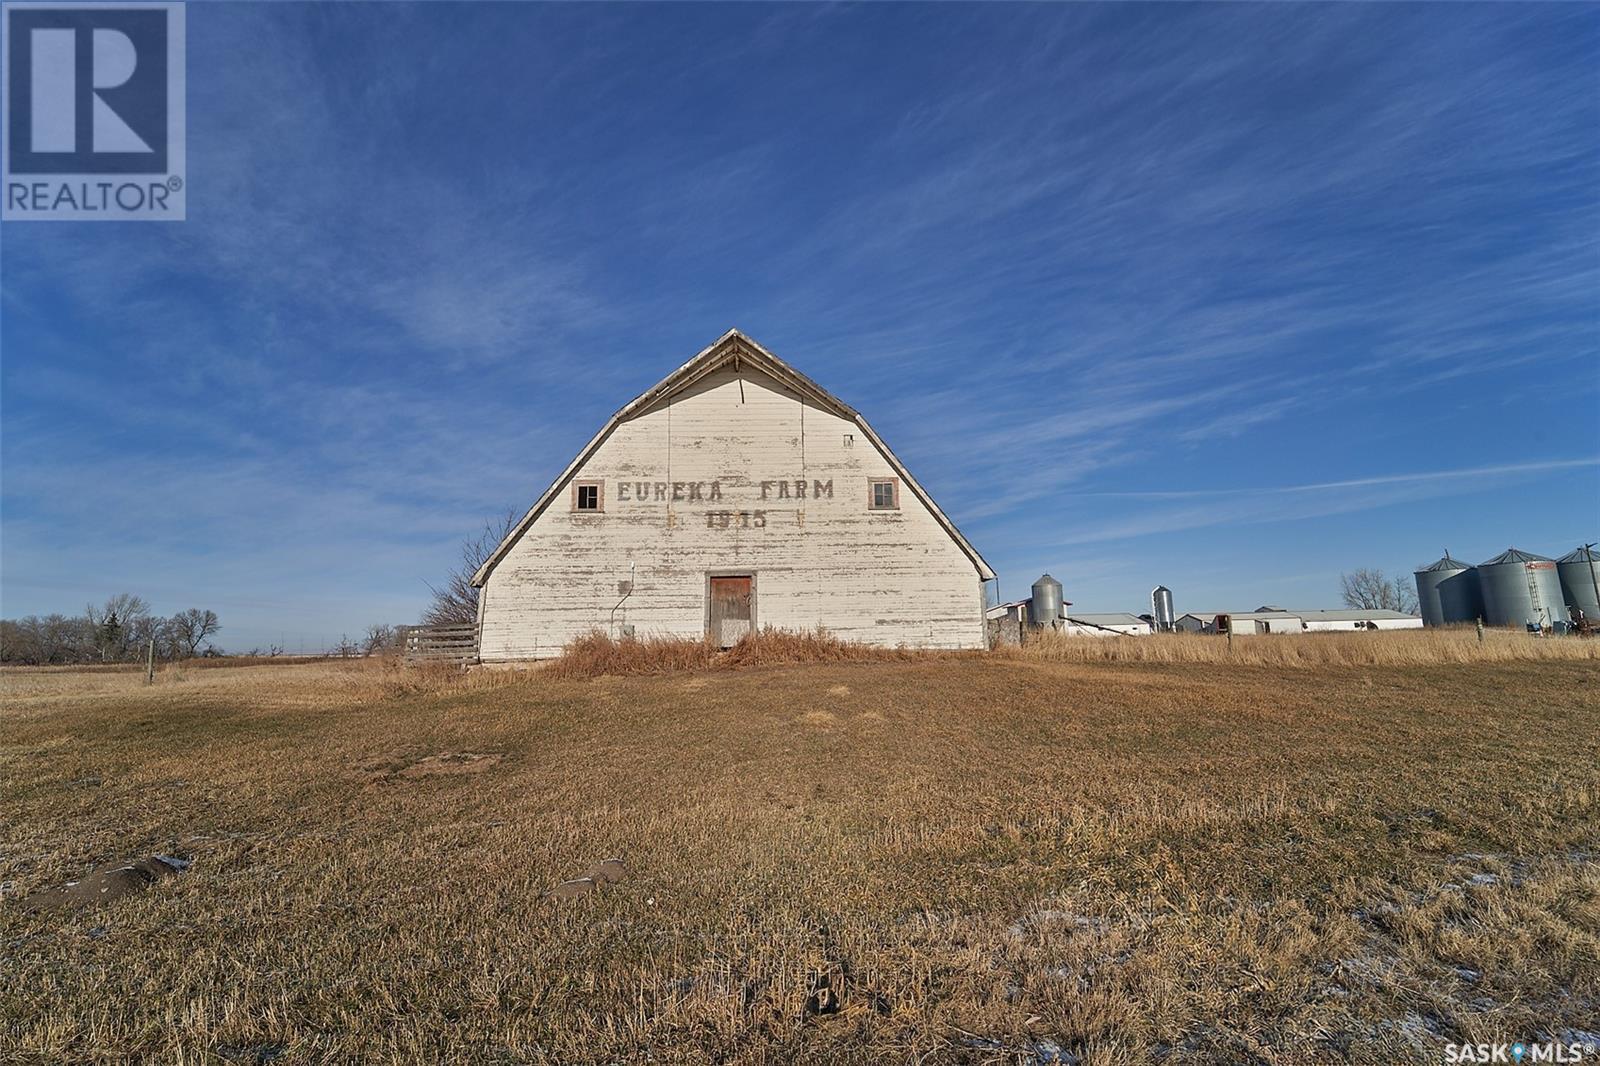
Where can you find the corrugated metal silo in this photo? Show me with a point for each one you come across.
(1046, 606)
(1578, 571)
(1519, 587)
(1161, 608)
(1447, 592)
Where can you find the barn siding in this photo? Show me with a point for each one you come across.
(879, 577)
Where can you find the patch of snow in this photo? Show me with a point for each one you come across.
(1590, 1041)
(1038, 919)
(1048, 1051)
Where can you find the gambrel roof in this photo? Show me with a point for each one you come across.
(735, 349)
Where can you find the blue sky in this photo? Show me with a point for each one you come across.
(1231, 298)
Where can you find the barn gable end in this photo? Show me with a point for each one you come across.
(734, 467)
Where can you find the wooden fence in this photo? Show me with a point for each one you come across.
(453, 643)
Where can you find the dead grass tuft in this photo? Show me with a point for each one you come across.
(598, 655)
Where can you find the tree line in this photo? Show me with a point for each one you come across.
(119, 630)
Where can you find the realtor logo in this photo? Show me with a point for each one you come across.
(94, 117)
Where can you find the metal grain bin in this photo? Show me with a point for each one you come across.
(1161, 609)
(1519, 587)
(1447, 592)
(1579, 572)
(1046, 606)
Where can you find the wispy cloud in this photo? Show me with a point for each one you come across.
(1426, 477)
(1057, 255)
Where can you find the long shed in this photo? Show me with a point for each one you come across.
(735, 494)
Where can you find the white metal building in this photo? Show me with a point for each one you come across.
(1277, 620)
(1354, 619)
(1017, 609)
(1243, 623)
(1111, 624)
(735, 494)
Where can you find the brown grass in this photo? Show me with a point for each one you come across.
(1406, 647)
(984, 858)
(598, 655)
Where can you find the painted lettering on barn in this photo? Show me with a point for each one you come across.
(735, 494)
(690, 491)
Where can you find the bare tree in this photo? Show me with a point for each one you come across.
(141, 631)
(1373, 590)
(189, 629)
(34, 641)
(456, 601)
(118, 624)
(379, 639)
(62, 639)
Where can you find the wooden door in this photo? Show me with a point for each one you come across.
(730, 615)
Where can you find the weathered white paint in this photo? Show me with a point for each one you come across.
(745, 467)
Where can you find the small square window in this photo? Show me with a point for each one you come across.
(885, 494)
(587, 496)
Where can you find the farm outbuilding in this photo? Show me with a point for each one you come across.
(1277, 620)
(1348, 619)
(735, 494)
(1109, 624)
(1241, 622)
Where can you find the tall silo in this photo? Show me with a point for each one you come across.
(1519, 587)
(1045, 609)
(1579, 572)
(1447, 592)
(1161, 609)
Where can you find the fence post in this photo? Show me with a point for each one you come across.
(150, 663)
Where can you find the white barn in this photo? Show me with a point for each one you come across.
(735, 494)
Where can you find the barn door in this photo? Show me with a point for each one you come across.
(730, 615)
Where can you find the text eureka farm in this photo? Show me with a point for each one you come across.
(711, 491)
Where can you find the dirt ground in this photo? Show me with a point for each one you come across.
(963, 859)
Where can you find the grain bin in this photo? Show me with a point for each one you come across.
(1045, 609)
(1578, 571)
(1447, 593)
(1519, 587)
(1161, 609)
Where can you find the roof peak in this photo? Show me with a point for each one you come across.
(1515, 555)
(1447, 563)
(729, 347)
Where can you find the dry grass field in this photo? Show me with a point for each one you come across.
(1051, 856)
